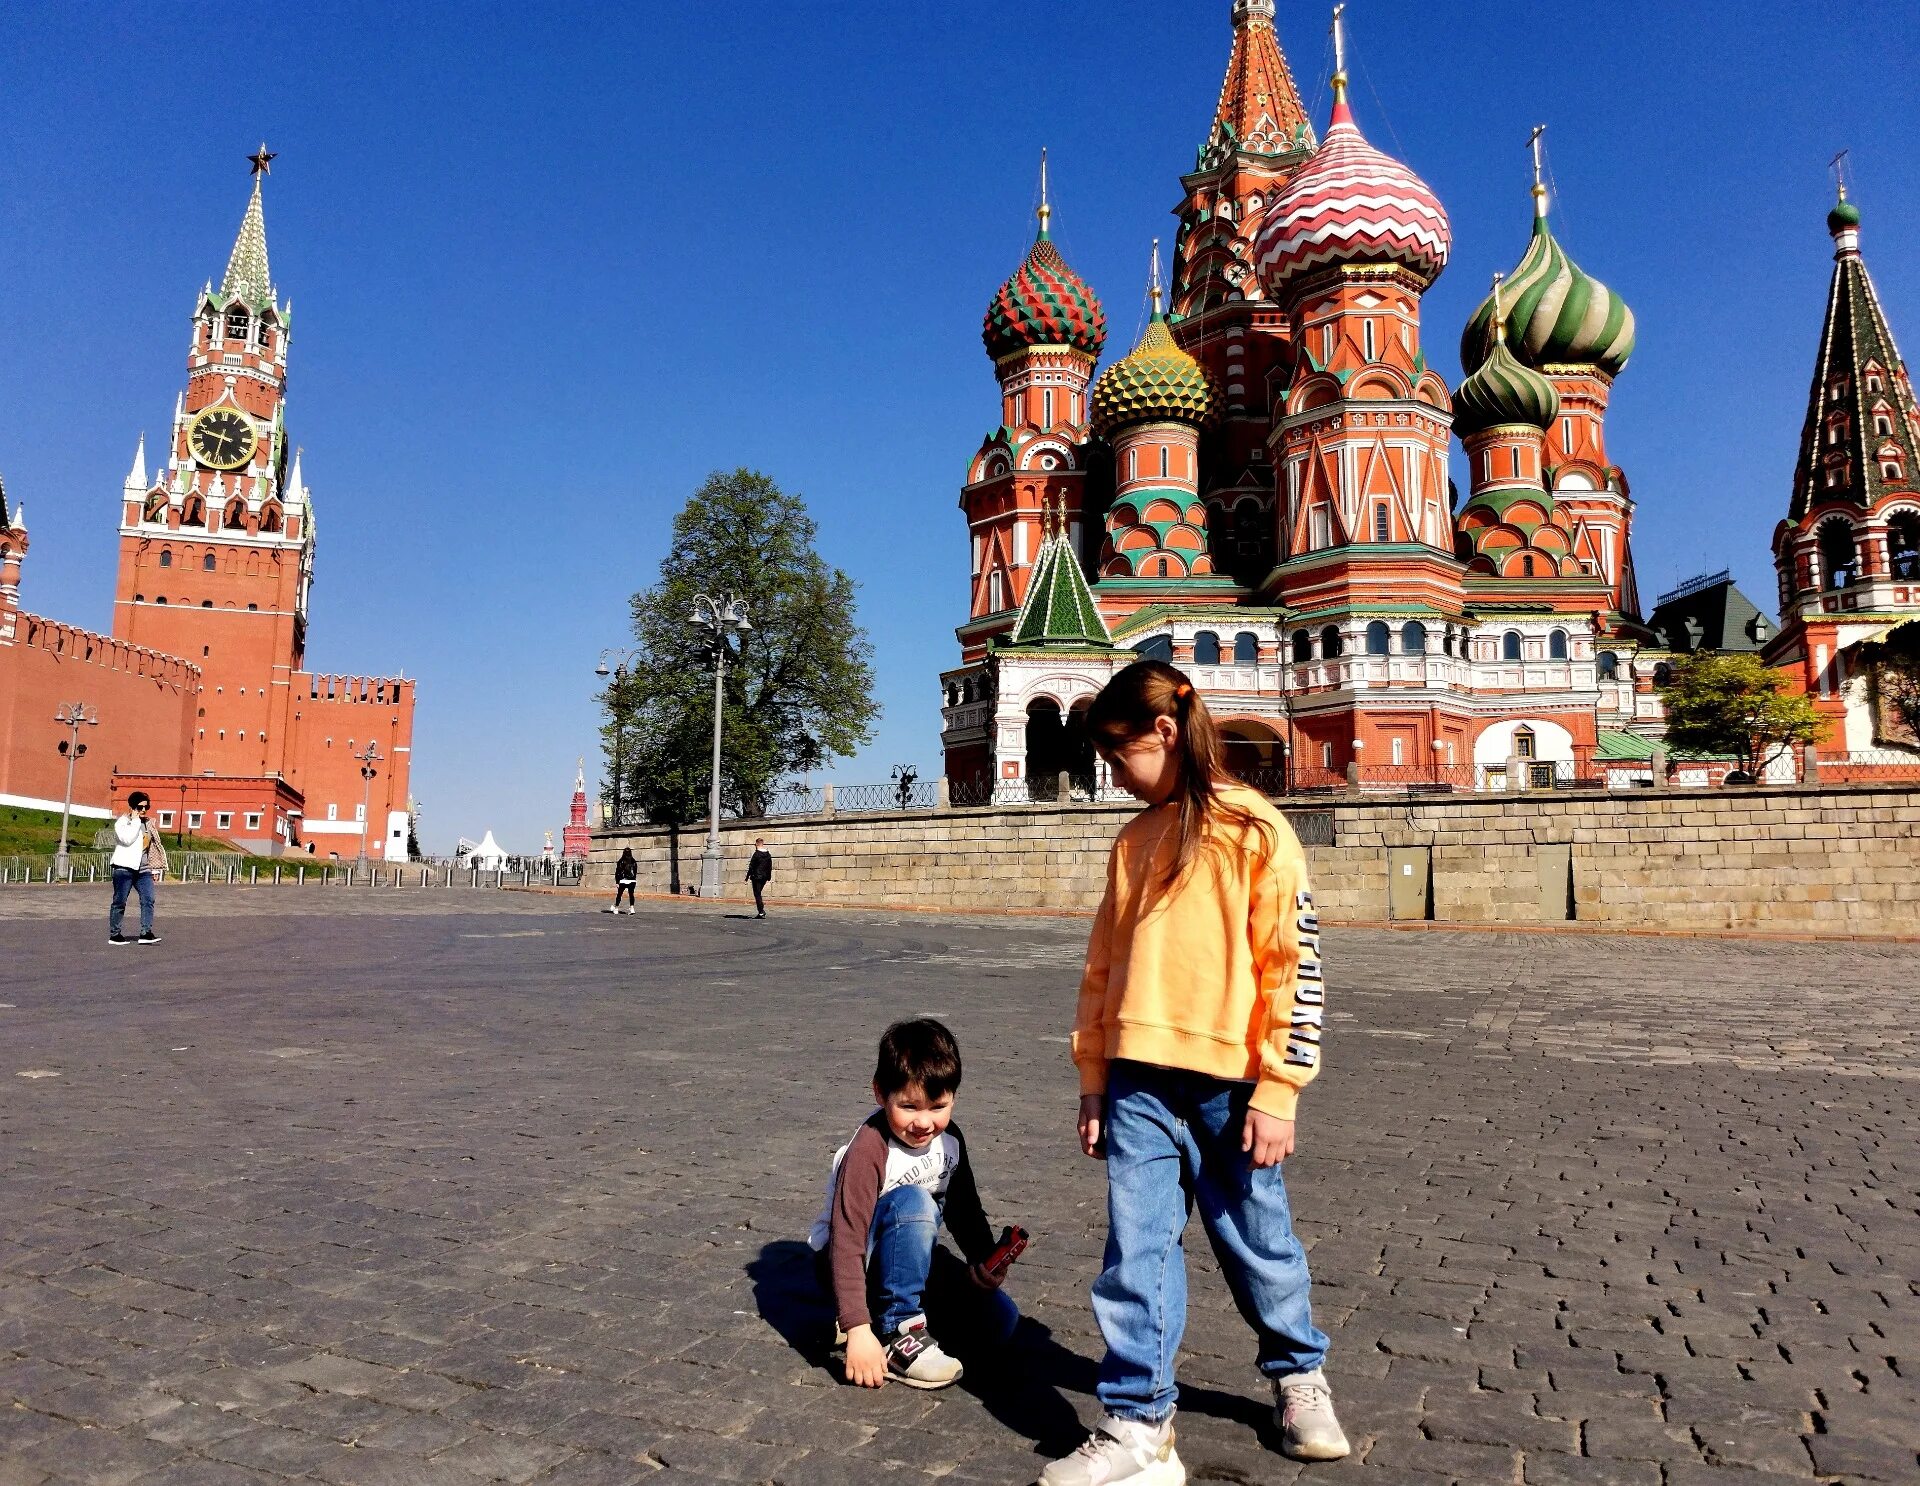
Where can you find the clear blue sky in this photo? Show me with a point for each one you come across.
(553, 264)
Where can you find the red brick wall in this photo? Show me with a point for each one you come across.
(335, 717)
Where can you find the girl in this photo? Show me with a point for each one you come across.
(1198, 1025)
(626, 872)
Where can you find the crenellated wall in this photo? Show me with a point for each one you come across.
(145, 701)
(333, 719)
(1795, 860)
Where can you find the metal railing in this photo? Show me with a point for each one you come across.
(232, 871)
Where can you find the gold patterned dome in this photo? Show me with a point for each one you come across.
(1156, 381)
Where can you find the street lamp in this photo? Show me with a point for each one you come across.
(712, 614)
(1284, 654)
(622, 659)
(906, 776)
(366, 760)
(72, 716)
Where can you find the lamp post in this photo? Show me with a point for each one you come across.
(905, 777)
(712, 614)
(367, 760)
(1283, 653)
(618, 670)
(72, 716)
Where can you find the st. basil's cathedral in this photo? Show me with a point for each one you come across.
(1260, 490)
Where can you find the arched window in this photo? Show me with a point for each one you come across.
(1447, 640)
(1903, 545)
(1609, 665)
(1156, 647)
(207, 562)
(1382, 523)
(160, 600)
(270, 519)
(1510, 645)
(195, 513)
(1526, 566)
(1331, 645)
(1557, 645)
(236, 324)
(1662, 674)
(1377, 638)
(1839, 558)
(1206, 648)
(1163, 569)
(166, 557)
(1246, 648)
(237, 516)
(1413, 638)
(1302, 646)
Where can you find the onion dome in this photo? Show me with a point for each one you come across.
(1156, 381)
(1556, 314)
(1045, 303)
(1352, 204)
(1845, 216)
(1503, 390)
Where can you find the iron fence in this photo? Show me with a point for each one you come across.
(1870, 766)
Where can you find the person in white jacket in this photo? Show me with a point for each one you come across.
(137, 856)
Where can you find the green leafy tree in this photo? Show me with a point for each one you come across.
(1895, 663)
(1732, 704)
(799, 685)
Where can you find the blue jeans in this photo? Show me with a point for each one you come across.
(125, 878)
(906, 1269)
(1173, 1142)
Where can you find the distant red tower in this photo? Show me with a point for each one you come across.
(575, 840)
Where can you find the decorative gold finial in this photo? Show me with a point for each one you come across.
(1339, 53)
(1153, 283)
(1046, 207)
(1499, 311)
(1539, 182)
(262, 160)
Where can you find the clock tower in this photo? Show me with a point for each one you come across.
(216, 546)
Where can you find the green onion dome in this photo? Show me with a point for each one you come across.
(1503, 390)
(1045, 303)
(1845, 216)
(1556, 315)
(1156, 382)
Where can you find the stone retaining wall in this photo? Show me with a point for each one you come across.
(1796, 860)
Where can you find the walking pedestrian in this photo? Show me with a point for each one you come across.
(137, 858)
(759, 874)
(626, 872)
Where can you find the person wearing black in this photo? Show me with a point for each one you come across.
(626, 872)
(759, 873)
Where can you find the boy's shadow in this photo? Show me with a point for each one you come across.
(1021, 1384)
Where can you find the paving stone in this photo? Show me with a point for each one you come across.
(447, 1187)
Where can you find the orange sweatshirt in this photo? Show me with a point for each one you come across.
(1218, 973)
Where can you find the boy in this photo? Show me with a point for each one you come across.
(904, 1171)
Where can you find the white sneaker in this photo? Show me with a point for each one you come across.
(1303, 1405)
(1120, 1450)
(916, 1359)
(609, 910)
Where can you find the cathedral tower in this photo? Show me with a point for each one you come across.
(216, 547)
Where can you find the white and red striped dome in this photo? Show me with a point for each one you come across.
(1351, 204)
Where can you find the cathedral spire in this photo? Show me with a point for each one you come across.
(1861, 439)
(137, 476)
(247, 275)
(1259, 111)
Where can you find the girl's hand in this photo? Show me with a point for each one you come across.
(1270, 1139)
(1093, 1126)
(985, 1278)
(866, 1358)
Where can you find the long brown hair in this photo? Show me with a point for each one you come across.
(1127, 708)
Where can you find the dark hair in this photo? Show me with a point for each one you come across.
(1128, 706)
(919, 1052)
(137, 799)
(626, 856)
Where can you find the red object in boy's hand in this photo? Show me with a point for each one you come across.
(1013, 1243)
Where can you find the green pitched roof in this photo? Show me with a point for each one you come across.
(1059, 609)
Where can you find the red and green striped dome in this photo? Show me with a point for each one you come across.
(1045, 303)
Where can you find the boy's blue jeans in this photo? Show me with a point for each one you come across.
(123, 879)
(1173, 1142)
(905, 1267)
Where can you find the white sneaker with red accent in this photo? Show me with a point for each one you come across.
(1308, 1428)
(916, 1359)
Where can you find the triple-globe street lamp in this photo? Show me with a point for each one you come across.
(72, 716)
(719, 616)
(367, 760)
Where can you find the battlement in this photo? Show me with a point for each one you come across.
(70, 642)
(380, 691)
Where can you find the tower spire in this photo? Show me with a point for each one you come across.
(1153, 285)
(137, 476)
(247, 275)
(1340, 109)
(1046, 206)
(1539, 183)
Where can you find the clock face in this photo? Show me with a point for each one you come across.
(221, 439)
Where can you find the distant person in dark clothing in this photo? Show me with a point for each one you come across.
(759, 874)
(626, 872)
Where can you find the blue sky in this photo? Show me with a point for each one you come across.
(553, 264)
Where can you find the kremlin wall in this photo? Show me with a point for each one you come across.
(201, 691)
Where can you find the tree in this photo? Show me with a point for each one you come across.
(1730, 703)
(799, 688)
(1895, 663)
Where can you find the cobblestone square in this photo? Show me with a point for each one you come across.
(495, 1187)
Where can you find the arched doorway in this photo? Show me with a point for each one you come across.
(1057, 743)
(1255, 753)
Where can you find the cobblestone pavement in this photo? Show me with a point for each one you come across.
(442, 1188)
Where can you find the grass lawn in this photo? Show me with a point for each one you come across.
(37, 833)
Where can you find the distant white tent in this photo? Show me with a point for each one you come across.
(488, 856)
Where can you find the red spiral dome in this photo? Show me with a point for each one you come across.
(1045, 303)
(1352, 204)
